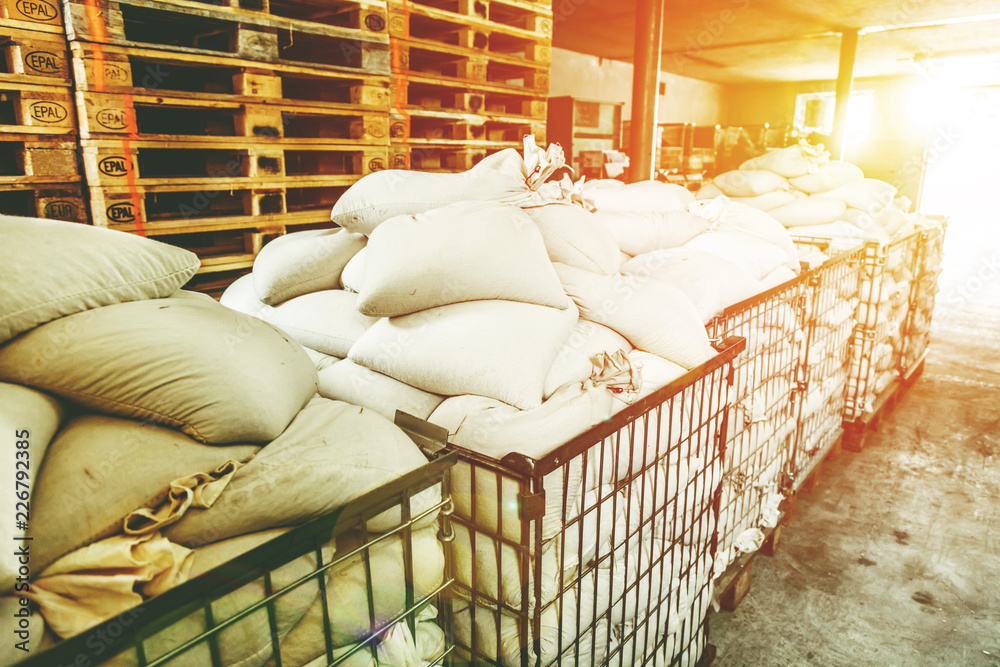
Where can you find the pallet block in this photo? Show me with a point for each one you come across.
(108, 115)
(56, 201)
(38, 159)
(221, 33)
(39, 15)
(40, 110)
(34, 57)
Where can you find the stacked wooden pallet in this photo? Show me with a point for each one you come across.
(469, 78)
(39, 175)
(216, 126)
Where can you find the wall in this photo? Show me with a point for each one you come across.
(895, 151)
(603, 80)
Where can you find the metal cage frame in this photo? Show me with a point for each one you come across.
(543, 549)
(196, 596)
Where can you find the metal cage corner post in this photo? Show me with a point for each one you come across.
(889, 342)
(831, 296)
(601, 552)
(760, 445)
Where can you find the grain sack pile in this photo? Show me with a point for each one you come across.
(812, 195)
(505, 315)
(163, 434)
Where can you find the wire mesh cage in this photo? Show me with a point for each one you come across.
(922, 297)
(328, 592)
(888, 273)
(601, 552)
(831, 296)
(761, 435)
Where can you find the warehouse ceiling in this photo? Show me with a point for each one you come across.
(742, 41)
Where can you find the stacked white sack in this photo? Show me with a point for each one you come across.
(176, 397)
(815, 196)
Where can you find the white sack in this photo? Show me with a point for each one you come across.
(868, 194)
(98, 469)
(642, 196)
(752, 254)
(768, 200)
(728, 216)
(708, 190)
(501, 177)
(490, 500)
(29, 420)
(749, 182)
(246, 643)
(497, 569)
(327, 321)
(847, 233)
(184, 361)
(653, 315)
(463, 252)
(321, 360)
(888, 221)
(712, 283)
(498, 349)
(576, 237)
(54, 269)
(491, 427)
(575, 361)
(396, 646)
(562, 614)
(303, 262)
(242, 297)
(348, 588)
(352, 277)
(829, 175)
(779, 276)
(349, 382)
(809, 211)
(330, 454)
(638, 232)
(791, 161)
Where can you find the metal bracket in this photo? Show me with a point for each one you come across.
(531, 506)
(430, 438)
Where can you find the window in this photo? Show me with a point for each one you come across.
(814, 113)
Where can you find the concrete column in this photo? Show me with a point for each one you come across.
(645, 87)
(845, 81)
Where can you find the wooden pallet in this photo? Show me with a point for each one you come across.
(445, 159)
(209, 207)
(139, 71)
(364, 15)
(422, 127)
(107, 115)
(858, 432)
(433, 94)
(225, 251)
(219, 33)
(421, 57)
(516, 13)
(734, 584)
(57, 201)
(39, 110)
(469, 29)
(33, 58)
(39, 15)
(28, 158)
(236, 163)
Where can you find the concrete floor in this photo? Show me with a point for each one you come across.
(894, 557)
